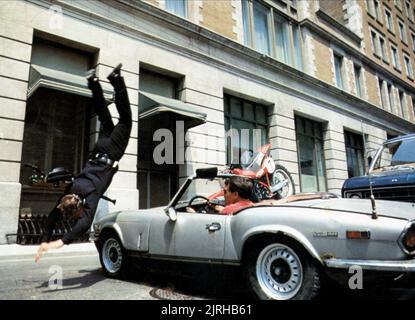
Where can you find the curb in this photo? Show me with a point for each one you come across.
(8, 250)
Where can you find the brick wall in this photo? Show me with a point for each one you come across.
(217, 16)
(334, 9)
(323, 56)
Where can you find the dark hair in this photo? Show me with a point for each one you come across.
(243, 186)
(71, 204)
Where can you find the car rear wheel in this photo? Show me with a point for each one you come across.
(113, 256)
(282, 271)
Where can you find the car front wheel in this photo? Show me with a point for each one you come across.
(112, 256)
(282, 271)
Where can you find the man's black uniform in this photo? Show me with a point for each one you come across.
(97, 174)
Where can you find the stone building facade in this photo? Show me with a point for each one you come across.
(325, 82)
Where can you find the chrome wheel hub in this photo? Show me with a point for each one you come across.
(112, 255)
(279, 272)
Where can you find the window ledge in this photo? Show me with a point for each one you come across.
(377, 55)
(397, 69)
(338, 26)
(385, 61)
(370, 14)
(392, 32)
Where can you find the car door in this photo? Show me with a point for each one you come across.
(193, 236)
(200, 235)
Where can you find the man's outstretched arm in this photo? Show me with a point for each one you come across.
(45, 246)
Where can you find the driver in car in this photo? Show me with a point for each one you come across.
(237, 191)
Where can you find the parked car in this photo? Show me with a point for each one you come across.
(392, 173)
(286, 248)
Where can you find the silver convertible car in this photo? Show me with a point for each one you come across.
(286, 248)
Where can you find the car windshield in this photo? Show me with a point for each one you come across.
(400, 153)
(202, 187)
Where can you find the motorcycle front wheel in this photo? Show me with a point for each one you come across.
(282, 183)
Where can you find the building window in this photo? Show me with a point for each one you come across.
(310, 155)
(377, 10)
(374, 43)
(398, 4)
(298, 61)
(354, 154)
(395, 58)
(178, 7)
(285, 46)
(389, 20)
(391, 98)
(370, 7)
(338, 65)
(261, 29)
(413, 106)
(378, 45)
(408, 66)
(294, 3)
(383, 49)
(402, 33)
(413, 41)
(402, 103)
(282, 38)
(358, 80)
(382, 93)
(246, 125)
(56, 132)
(246, 24)
(409, 11)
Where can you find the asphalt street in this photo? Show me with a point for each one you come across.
(82, 279)
(22, 278)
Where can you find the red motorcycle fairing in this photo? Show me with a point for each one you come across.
(246, 173)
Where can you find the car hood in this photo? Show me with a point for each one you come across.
(394, 209)
(386, 178)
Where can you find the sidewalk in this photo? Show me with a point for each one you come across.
(8, 250)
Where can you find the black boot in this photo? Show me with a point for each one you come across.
(92, 79)
(115, 76)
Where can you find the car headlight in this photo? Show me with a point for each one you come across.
(354, 195)
(407, 239)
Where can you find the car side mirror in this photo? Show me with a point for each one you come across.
(172, 214)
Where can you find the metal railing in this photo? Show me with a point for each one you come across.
(31, 228)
